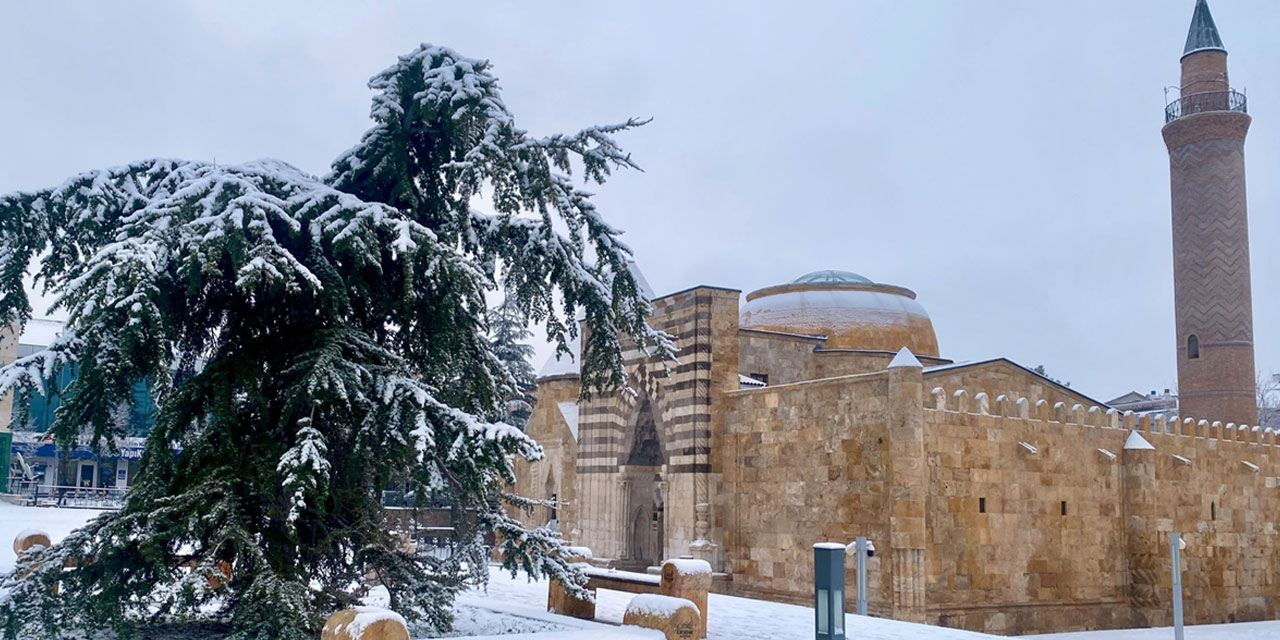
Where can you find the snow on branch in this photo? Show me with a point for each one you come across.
(33, 371)
(305, 467)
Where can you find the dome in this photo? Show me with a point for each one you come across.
(832, 277)
(853, 311)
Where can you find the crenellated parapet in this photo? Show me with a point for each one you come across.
(965, 401)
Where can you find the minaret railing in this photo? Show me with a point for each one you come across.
(1229, 100)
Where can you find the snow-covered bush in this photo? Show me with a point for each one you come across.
(306, 340)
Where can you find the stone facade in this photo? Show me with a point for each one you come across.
(998, 499)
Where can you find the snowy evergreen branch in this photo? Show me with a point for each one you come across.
(310, 343)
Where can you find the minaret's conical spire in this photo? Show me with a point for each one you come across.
(1203, 35)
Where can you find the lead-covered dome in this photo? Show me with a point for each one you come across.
(853, 311)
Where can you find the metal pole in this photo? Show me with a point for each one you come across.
(860, 550)
(1175, 565)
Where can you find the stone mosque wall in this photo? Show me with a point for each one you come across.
(998, 500)
(1036, 518)
(1074, 535)
(806, 463)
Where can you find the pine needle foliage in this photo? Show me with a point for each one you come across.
(508, 337)
(307, 340)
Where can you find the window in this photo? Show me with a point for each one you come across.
(555, 502)
(1064, 507)
(1193, 347)
(762, 377)
(982, 505)
(1213, 511)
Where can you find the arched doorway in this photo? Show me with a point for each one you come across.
(643, 465)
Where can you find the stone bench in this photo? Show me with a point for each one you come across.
(680, 578)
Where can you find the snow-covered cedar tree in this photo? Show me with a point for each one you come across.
(508, 333)
(305, 340)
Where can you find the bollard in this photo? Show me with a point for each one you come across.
(828, 590)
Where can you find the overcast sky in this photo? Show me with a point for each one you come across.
(1003, 159)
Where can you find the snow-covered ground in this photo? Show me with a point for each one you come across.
(55, 522)
(729, 618)
(1239, 631)
(519, 606)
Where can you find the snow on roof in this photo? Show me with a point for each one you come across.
(905, 359)
(40, 332)
(569, 411)
(973, 363)
(561, 364)
(1135, 441)
(642, 283)
(749, 382)
(1132, 396)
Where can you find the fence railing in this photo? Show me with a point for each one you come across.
(38, 494)
(1229, 100)
(430, 530)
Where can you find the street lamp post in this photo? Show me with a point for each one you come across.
(863, 549)
(828, 590)
(1176, 545)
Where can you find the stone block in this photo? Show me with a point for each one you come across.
(676, 618)
(690, 579)
(30, 540)
(365, 623)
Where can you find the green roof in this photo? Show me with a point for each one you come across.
(1203, 34)
(832, 277)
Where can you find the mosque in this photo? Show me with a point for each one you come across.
(823, 408)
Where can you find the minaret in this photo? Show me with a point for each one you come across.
(1204, 131)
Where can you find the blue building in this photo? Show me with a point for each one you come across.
(35, 462)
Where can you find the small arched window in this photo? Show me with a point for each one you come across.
(1193, 347)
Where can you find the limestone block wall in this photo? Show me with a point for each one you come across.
(1218, 486)
(556, 473)
(1001, 377)
(1004, 558)
(805, 463)
(783, 357)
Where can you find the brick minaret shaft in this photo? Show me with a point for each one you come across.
(1212, 298)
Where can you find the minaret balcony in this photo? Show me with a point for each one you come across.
(1193, 103)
